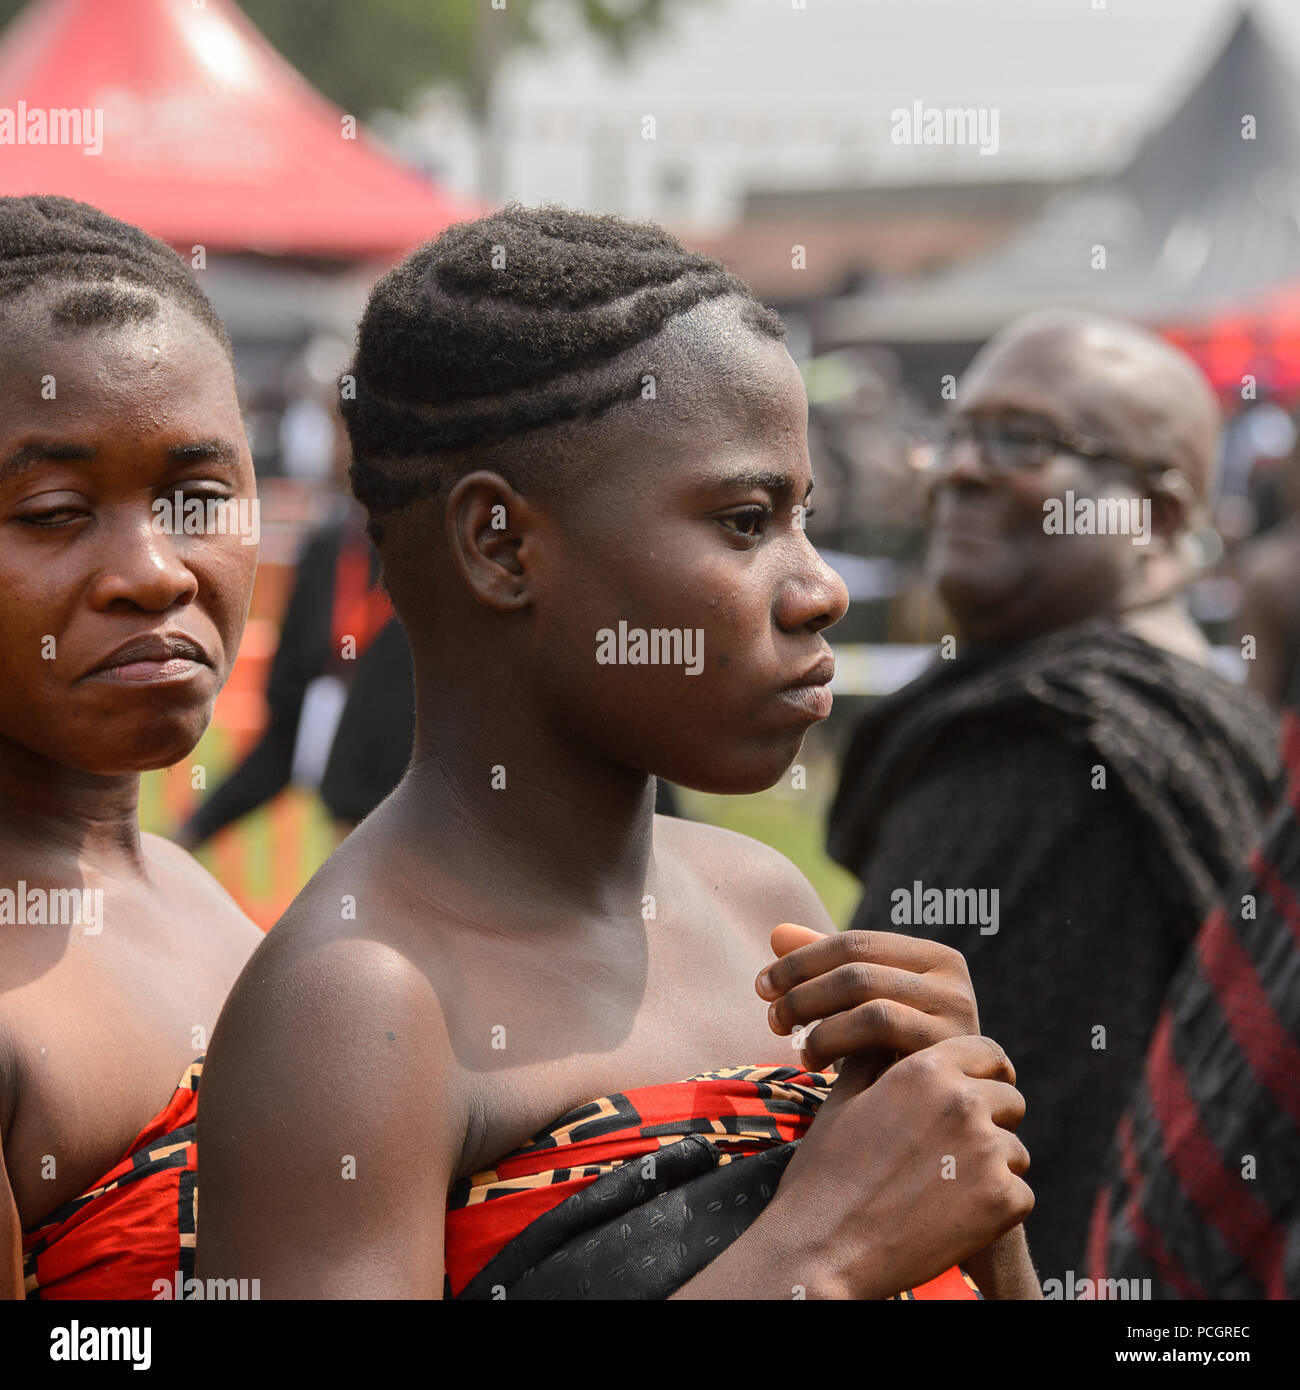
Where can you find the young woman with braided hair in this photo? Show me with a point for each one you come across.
(583, 453)
(116, 948)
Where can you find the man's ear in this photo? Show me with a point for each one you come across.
(487, 523)
(1174, 508)
(1168, 516)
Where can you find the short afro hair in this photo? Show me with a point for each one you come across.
(519, 321)
(117, 274)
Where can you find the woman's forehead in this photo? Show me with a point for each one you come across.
(56, 373)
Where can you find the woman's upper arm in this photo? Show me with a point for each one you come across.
(11, 1238)
(329, 1126)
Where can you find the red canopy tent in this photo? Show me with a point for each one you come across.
(1260, 340)
(208, 135)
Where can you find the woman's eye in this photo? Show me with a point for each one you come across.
(55, 516)
(749, 522)
(203, 492)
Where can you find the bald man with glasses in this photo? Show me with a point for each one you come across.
(1072, 757)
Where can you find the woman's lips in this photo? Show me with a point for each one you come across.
(813, 700)
(175, 670)
(152, 658)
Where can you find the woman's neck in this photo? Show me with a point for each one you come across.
(53, 815)
(525, 813)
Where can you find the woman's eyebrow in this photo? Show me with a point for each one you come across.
(205, 451)
(779, 484)
(27, 455)
(41, 451)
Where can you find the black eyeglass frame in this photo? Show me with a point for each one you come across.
(1056, 439)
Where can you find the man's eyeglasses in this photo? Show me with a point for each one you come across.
(1008, 447)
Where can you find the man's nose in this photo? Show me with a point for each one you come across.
(967, 464)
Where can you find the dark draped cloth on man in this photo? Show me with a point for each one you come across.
(1204, 1198)
(1107, 790)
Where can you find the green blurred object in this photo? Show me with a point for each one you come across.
(315, 844)
(375, 55)
(793, 822)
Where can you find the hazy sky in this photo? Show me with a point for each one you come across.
(1075, 86)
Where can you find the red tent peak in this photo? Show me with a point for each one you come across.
(205, 133)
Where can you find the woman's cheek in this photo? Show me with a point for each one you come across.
(226, 592)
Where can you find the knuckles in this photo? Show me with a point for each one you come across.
(874, 1017)
(856, 946)
(950, 961)
(1004, 1062)
(958, 1005)
(961, 1103)
(859, 979)
(1014, 1199)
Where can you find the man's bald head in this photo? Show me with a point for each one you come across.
(1148, 418)
(1106, 378)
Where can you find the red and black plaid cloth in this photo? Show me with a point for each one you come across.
(630, 1195)
(136, 1225)
(1204, 1198)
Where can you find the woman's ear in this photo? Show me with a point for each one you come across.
(487, 523)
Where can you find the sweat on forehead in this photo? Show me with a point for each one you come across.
(85, 330)
(711, 359)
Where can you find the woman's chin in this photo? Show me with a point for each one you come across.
(138, 752)
(737, 779)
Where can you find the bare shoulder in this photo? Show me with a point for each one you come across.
(342, 978)
(185, 871)
(335, 988)
(764, 886)
(331, 1062)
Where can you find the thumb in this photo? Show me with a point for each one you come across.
(789, 936)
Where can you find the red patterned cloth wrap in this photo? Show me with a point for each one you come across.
(135, 1227)
(712, 1120)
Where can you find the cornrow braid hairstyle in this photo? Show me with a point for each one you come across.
(525, 319)
(99, 271)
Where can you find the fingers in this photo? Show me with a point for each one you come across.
(846, 987)
(880, 1027)
(858, 947)
(1014, 1202)
(789, 936)
(1006, 1105)
(1017, 1156)
(977, 1056)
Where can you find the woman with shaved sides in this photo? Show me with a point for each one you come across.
(520, 1037)
(119, 622)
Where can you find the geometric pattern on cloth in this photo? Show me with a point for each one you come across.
(735, 1112)
(135, 1225)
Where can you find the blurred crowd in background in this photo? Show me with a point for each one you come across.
(294, 151)
(772, 142)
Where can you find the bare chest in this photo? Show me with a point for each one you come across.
(97, 1030)
(560, 1033)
